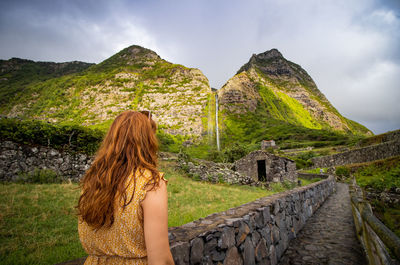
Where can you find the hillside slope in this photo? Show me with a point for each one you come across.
(17, 75)
(270, 96)
(135, 78)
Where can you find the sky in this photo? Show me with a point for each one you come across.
(351, 48)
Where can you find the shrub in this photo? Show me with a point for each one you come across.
(221, 178)
(71, 137)
(40, 176)
(196, 177)
(234, 152)
(215, 155)
(300, 163)
(168, 142)
(289, 184)
(379, 178)
(183, 155)
(307, 155)
(343, 172)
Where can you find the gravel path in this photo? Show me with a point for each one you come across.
(328, 236)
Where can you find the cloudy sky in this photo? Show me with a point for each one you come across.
(351, 48)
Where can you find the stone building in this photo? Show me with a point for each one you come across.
(268, 143)
(263, 166)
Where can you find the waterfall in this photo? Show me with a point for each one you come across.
(209, 121)
(216, 119)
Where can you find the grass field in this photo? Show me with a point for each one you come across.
(38, 224)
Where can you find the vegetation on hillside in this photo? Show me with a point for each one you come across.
(70, 97)
(74, 138)
(17, 76)
(252, 127)
(66, 96)
(283, 118)
(378, 176)
(275, 76)
(65, 137)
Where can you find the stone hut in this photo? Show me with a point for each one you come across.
(263, 166)
(268, 143)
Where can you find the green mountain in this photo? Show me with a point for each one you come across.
(273, 98)
(93, 95)
(17, 75)
(269, 98)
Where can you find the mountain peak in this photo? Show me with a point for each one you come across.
(261, 60)
(136, 51)
(273, 53)
(132, 55)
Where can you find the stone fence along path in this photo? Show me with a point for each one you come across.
(329, 235)
(257, 232)
(359, 155)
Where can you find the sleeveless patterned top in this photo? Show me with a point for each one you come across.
(123, 242)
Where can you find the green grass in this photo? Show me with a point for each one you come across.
(305, 182)
(316, 170)
(38, 223)
(389, 215)
(378, 175)
(190, 200)
(377, 179)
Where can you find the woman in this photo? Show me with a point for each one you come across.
(123, 215)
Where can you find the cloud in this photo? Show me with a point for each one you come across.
(69, 32)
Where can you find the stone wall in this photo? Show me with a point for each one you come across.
(18, 158)
(308, 148)
(255, 233)
(215, 172)
(312, 176)
(381, 138)
(359, 155)
(278, 168)
(391, 136)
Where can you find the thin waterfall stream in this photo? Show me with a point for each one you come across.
(209, 124)
(216, 120)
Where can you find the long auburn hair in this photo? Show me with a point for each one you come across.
(129, 146)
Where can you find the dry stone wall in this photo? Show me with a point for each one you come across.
(381, 138)
(360, 155)
(312, 176)
(216, 172)
(17, 158)
(255, 233)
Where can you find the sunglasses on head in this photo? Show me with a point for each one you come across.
(147, 113)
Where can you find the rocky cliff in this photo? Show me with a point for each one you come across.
(135, 78)
(282, 91)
